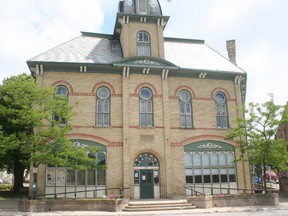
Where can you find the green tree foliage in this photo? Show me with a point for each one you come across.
(29, 134)
(256, 135)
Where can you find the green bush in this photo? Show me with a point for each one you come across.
(5, 187)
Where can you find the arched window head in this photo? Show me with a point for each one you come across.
(221, 110)
(185, 106)
(103, 107)
(143, 44)
(63, 92)
(146, 107)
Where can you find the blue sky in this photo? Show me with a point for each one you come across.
(29, 28)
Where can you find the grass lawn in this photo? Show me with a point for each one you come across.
(7, 194)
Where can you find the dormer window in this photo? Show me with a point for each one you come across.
(142, 6)
(143, 44)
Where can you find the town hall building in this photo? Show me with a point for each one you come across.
(158, 108)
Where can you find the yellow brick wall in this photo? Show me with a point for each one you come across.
(165, 140)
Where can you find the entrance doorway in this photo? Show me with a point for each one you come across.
(146, 184)
(146, 177)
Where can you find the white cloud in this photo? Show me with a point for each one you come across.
(33, 27)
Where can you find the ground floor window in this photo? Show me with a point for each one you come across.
(210, 167)
(67, 182)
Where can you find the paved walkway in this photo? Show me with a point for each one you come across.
(9, 208)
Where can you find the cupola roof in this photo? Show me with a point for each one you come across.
(141, 7)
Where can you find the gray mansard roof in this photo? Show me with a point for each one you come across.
(91, 48)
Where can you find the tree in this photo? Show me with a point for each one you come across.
(30, 135)
(256, 135)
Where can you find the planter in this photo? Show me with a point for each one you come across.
(201, 202)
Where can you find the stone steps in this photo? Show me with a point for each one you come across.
(158, 205)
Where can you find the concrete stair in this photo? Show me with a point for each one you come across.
(158, 205)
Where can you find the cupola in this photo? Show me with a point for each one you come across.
(139, 26)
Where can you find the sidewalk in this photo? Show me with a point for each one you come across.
(9, 208)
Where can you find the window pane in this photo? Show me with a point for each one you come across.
(182, 121)
(50, 178)
(188, 122)
(223, 110)
(232, 178)
(197, 159)
(149, 107)
(81, 177)
(214, 159)
(142, 106)
(215, 178)
(205, 159)
(91, 177)
(99, 106)
(188, 159)
(106, 106)
(106, 119)
(222, 159)
(101, 158)
(224, 178)
(207, 179)
(230, 158)
(198, 179)
(99, 120)
(70, 177)
(182, 108)
(142, 120)
(188, 108)
(224, 122)
(100, 177)
(149, 119)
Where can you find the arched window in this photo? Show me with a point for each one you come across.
(143, 44)
(221, 110)
(62, 92)
(146, 107)
(185, 106)
(212, 168)
(103, 107)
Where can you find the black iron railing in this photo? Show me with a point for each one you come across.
(195, 190)
(121, 193)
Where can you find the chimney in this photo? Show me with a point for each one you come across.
(231, 49)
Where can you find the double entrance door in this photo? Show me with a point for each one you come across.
(146, 184)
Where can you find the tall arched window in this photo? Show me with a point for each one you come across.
(143, 44)
(221, 110)
(185, 105)
(103, 107)
(146, 107)
(62, 92)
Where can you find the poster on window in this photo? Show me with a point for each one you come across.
(50, 177)
(60, 178)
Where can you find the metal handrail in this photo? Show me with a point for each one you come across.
(121, 194)
(196, 192)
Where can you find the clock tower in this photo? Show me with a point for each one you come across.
(139, 27)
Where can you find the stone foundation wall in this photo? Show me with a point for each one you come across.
(271, 199)
(71, 205)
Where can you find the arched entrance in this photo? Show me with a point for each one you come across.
(146, 177)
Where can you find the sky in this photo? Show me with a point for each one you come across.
(29, 28)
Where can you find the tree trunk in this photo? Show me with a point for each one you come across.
(18, 176)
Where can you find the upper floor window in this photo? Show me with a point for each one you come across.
(185, 106)
(146, 107)
(62, 91)
(103, 107)
(142, 6)
(143, 44)
(221, 110)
